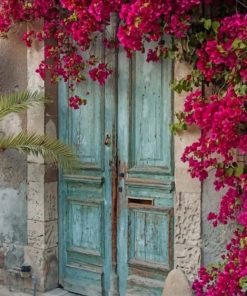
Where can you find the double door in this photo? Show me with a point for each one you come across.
(116, 210)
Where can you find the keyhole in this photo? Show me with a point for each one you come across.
(107, 139)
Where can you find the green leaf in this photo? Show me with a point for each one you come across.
(239, 170)
(229, 171)
(178, 127)
(215, 26)
(240, 89)
(171, 54)
(238, 44)
(207, 24)
(201, 36)
(49, 148)
(18, 102)
(243, 283)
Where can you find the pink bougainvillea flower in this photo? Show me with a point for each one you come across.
(75, 102)
(100, 73)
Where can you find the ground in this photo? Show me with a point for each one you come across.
(57, 292)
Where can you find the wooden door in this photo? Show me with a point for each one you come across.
(85, 201)
(117, 208)
(145, 230)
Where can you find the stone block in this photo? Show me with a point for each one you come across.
(184, 182)
(12, 176)
(44, 265)
(13, 70)
(35, 55)
(19, 281)
(35, 115)
(13, 255)
(181, 141)
(42, 235)
(11, 124)
(36, 205)
(51, 126)
(51, 173)
(214, 239)
(42, 201)
(188, 259)
(35, 172)
(51, 210)
(58, 292)
(36, 124)
(181, 69)
(176, 284)
(188, 219)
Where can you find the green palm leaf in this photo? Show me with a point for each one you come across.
(51, 149)
(19, 101)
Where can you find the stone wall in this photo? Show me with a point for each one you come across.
(28, 185)
(42, 224)
(187, 208)
(196, 241)
(13, 165)
(214, 239)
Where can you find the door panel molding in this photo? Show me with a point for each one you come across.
(145, 210)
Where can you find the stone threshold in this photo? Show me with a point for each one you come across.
(4, 291)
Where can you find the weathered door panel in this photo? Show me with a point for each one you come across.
(145, 184)
(86, 194)
(132, 216)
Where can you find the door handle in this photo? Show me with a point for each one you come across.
(107, 139)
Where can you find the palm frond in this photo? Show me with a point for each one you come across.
(19, 101)
(51, 149)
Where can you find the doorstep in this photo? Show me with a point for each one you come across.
(4, 291)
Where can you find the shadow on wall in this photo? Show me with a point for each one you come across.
(214, 239)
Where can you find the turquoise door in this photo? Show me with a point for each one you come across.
(116, 211)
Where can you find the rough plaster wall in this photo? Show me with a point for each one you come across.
(13, 207)
(214, 239)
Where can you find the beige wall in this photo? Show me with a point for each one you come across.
(187, 209)
(28, 187)
(42, 226)
(13, 166)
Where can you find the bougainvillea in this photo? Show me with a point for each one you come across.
(73, 26)
(216, 46)
(229, 277)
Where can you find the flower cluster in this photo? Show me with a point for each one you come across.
(230, 277)
(148, 20)
(222, 119)
(74, 25)
(100, 73)
(75, 102)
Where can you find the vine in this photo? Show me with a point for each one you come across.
(215, 44)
